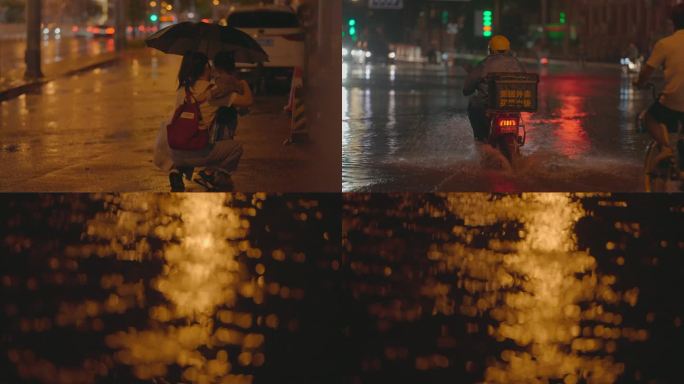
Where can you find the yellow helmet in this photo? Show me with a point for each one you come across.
(499, 43)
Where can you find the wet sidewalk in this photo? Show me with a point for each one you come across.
(95, 131)
(60, 57)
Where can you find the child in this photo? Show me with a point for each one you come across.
(226, 83)
(225, 120)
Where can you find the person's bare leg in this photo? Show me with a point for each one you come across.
(659, 133)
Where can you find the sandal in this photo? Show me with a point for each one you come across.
(206, 180)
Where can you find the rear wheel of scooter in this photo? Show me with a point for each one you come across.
(511, 150)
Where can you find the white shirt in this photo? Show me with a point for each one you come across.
(669, 52)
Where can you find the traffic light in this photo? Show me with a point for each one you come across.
(487, 23)
(352, 29)
(155, 7)
(562, 18)
(445, 17)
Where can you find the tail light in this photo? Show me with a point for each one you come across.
(294, 37)
(506, 123)
(110, 31)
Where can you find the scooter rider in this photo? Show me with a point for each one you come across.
(500, 59)
(668, 112)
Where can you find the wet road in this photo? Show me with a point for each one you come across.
(95, 132)
(54, 51)
(185, 288)
(405, 128)
(538, 288)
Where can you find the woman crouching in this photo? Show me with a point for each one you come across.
(219, 159)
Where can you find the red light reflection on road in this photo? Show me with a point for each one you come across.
(573, 140)
(567, 121)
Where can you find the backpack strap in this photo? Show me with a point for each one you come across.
(190, 98)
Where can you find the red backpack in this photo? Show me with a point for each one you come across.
(184, 131)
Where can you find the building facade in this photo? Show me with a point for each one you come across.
(606, 27)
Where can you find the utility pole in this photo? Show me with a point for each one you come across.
(334, 24)
(544, 17)
(177, 9)
(120, 23)
(193, 9)
(33, 37)
(570, 17)
(497, 17)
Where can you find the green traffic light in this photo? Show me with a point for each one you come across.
(154, 18)
(352, 22)
(487, 19)
(487, 23)
(352, 31)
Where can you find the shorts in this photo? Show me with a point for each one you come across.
(664, 115)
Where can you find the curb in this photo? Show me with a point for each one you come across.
(25, 87)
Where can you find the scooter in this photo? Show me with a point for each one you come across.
(509, 94)
(507, 133)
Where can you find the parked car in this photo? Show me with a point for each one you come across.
(51, 29)
(280, 34)
(367, 56)
(80, 31)
(102, 30)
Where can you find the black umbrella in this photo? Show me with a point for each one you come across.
(209, 39)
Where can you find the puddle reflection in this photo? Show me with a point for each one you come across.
(178, 288)
(534, 289)
(511, 289)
